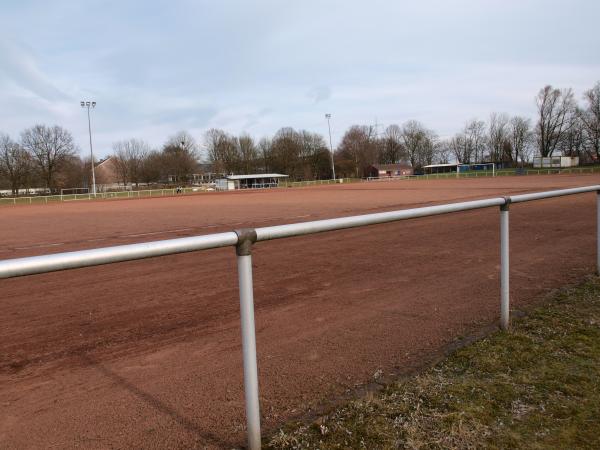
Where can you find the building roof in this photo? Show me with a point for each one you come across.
(106, 160)
(402, 165)
(441, 165)
(256, 175)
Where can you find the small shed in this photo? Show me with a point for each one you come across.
(443, 168)
(555, 162)
(250, 181)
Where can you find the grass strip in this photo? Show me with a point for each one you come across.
(535, 386)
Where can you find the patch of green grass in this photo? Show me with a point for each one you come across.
(535, 386)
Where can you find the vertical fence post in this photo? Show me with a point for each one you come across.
(598, 232)
(246, 238)
(504, 265)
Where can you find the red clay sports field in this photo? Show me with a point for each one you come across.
(147, 354)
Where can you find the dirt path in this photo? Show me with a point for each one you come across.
(147, 354)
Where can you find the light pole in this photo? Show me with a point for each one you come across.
(87, 105)
(328, 116)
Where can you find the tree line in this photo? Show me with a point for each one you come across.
(46, 156)
(562, 126)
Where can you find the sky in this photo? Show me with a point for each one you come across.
(157, 67)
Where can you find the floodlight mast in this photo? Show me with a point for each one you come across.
(87, 104)
(328, 116)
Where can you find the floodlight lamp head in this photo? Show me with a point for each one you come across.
(82, 104)
(328, 116)
(87, 104)
(93, 104)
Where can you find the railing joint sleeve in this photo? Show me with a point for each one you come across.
(506, 205)
(246, 237)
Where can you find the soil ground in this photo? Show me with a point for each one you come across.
(147, 354)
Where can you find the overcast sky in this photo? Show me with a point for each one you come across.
(156, 67)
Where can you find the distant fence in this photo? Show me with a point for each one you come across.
(290, 184)
(243, 241)
(46, 199)
(392, 178)
(510, 172)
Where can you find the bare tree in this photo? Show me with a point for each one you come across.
(286, 150)
(359, 147)
(51, 148)
(120, 165)
(476, 140)
(498, 138)
(555, 109)
(314, 156)
(443, 152)
(15, 163)
(180, 154)
(392, 150)
(152, 167)
(264, 150)
(185, 141)
(590, 119)
(74, 172)
(222, 151)
(130, 156)
(573, 141)
(248, 153)
(520, 136)
(419, 143)
(468, 145)
(461, 150)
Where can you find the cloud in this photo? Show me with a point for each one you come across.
(319, 93)
(19, 67)
(258, 66)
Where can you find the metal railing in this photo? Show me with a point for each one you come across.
(243, 241)
(295, 184)
(144, 193)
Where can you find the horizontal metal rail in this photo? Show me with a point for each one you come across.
(108, 255)
(109, 195)
(319, 226)
(552, 194)
(243, 241)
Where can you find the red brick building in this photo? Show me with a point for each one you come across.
(389, 170)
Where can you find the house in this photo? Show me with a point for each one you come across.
(107, 174)
(389, 170)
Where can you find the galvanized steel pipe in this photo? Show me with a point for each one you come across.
(85, 258)
(504, 267)
(319, 226)
(249, 350)
(552, 194)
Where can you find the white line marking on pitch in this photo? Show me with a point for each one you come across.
(40, 246)
(144, 234)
